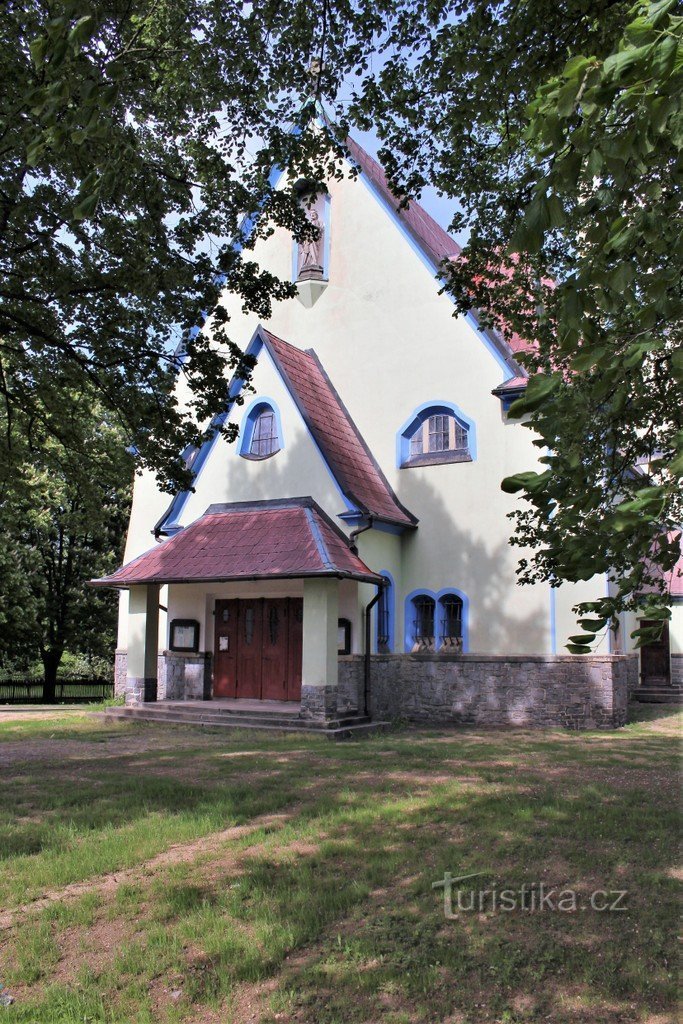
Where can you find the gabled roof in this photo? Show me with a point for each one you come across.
(335, 433)
(284, 539)
(431, 238)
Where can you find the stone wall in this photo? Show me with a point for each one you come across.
(537, 691)
(677, 669)
(179, 677)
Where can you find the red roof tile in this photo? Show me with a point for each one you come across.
(292, 538)
(337, 436)
(513, 384)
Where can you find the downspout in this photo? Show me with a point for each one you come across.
(368, 642)
(356, 533)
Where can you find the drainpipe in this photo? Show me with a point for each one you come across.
(356, 533)
(368, 641)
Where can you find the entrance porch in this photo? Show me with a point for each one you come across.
(250, 601)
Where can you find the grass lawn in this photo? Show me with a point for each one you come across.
(151, 874)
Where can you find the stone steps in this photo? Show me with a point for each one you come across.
(341, 728)
(659, 694)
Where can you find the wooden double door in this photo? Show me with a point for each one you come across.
(258, 648)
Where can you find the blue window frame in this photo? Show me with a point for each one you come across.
(261, 433)
(437, 621)
(436, 434)
(386, 615)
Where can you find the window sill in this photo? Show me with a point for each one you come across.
(436, 459)
(258, 458)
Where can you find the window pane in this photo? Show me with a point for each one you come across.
(416, 445)
(451, 617)
(424, 617)
(438, 433)
(460, 437)
(383, 617)
(264, 440)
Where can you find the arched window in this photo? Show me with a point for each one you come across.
(450, 622)
(434, 435)
(423, 632)
(261, 436)
(385, 617)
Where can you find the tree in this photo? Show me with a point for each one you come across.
(137, 136)
(65, 525)
(575, 219)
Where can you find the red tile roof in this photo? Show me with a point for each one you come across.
(512, 384)
(292, 538)
(430, 236)
(335, 433)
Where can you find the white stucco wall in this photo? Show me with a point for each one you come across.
(389, 344)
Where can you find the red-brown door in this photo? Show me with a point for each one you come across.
(296, 640)
(655, 658)
(225, 649)
(275, 649)
(258, 648)
(249, 649)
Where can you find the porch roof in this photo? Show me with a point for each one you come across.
(287, 539)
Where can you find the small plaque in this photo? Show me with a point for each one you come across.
(223, 643)
(184, 635)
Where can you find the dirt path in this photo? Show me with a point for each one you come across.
(180, 853)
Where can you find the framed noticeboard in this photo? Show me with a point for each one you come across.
(184, 635)
(343, 636)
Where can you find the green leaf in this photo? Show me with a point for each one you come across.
(582, 639)
(86, 207)
(617, 64)
(578, 649)
(538, 390)
(37, 49)
(83, 30)
(35, 151)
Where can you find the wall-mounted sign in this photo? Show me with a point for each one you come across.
(223, 643)
(184, 635)
(343, 636)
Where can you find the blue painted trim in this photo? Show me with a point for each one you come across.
(390, 593)
(318, 538)
(437, 596)
(254, 349)
(327, 204)
(433, 266)
(423, 412)
(170, 522)
(259, 405)
(553, 620)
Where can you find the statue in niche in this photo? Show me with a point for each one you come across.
(310, 261)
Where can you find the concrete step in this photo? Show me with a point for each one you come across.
(222, 716)
(658, 695)
(336, 729)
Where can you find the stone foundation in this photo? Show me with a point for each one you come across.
(536, 691)
(318, 702)
(677, 669)
(179, 677)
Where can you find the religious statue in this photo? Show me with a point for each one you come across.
(310, 264)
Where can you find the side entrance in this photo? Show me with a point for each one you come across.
(655, 658)
(258, 648)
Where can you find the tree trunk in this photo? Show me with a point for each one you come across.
(51, 660)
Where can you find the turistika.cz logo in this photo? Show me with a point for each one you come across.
(530, 898)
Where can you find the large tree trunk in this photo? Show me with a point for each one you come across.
(51, 660)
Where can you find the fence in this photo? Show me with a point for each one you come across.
(75, 690)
